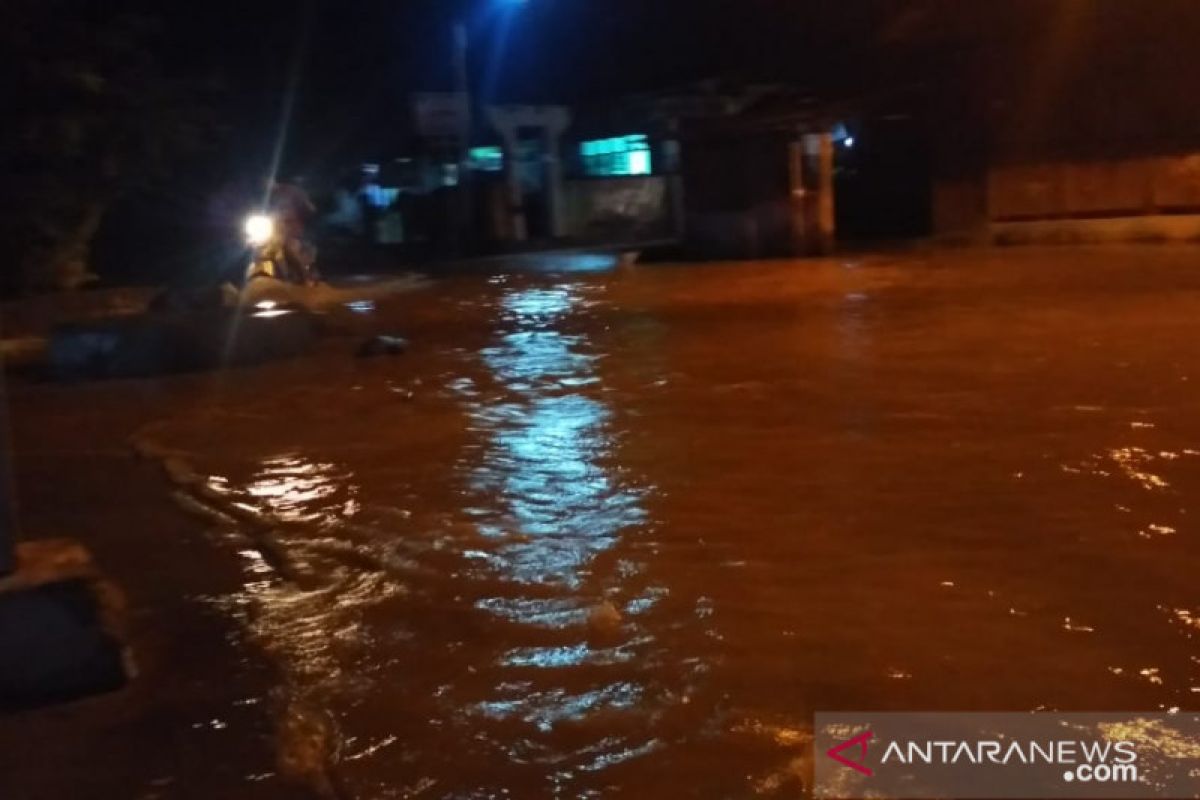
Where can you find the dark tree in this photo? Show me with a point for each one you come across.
(91, 114)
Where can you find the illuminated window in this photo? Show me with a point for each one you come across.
(486, 159)
(621, 155)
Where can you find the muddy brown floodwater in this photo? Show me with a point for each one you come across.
(620, 534)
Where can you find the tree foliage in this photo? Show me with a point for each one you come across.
(92, 114)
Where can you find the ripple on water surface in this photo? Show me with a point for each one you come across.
(626, 535)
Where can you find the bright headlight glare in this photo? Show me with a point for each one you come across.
(259, 229)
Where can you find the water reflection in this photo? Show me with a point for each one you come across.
(550, 447)
(295, 490)
(557, 504)
(307, 587)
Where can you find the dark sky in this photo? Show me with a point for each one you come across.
(355, 62)
(337, 75)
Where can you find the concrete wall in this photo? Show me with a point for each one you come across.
(1154, 198)
(37, 315)
(618, 207)
(762, 231)
(738, 194)
(960, 209)
(1148, 228)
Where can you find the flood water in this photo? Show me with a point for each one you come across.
(620, 534)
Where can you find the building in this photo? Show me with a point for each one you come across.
(1061, 122)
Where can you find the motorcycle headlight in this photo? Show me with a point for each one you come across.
(259, 229)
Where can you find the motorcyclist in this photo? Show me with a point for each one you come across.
(291, 207)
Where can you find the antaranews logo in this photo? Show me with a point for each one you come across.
(1006, 755)
(1087, 760)
(858, 743)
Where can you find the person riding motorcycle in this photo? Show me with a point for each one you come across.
(291, 208)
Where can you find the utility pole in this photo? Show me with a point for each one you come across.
(462, 83)
(463, 90)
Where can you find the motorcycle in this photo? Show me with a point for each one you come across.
(280, 272)
(276, 256)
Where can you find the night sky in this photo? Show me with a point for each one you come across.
(355, 63)
(359, 60)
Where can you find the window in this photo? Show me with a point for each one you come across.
(621, 155)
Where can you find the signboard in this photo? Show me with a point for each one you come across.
(441, 115)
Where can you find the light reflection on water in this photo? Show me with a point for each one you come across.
(546, 463)
(294, 490)
(546, 472)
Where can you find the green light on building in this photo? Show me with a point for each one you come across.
(486, 159)
(617, 156)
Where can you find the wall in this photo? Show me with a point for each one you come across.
(763, 231)
(1150, 228)
(1145, 198)
(618, 207)
(738, 195)
(960, 209)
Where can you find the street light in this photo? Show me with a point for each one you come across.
(462, 46)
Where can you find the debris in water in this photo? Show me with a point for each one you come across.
(382, 346)
(604, 618)
(309, 745)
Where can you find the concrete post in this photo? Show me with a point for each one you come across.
(672, 158)
(514, 194)
(555, 214)
(8, 516)
(462, 192)
(819, 223)
(555, 195)
(797, 212)
(826, 220)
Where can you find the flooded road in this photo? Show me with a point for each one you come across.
(620, 534)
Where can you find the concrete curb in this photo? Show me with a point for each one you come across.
(61, 628)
